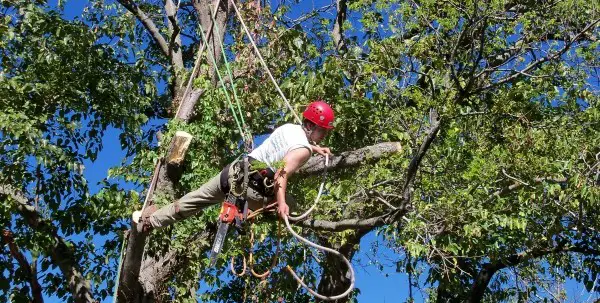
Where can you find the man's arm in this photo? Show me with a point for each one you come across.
(293, 161)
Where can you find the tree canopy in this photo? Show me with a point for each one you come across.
(493, 197)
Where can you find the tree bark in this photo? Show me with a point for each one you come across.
(203, 10)
(130, 289)
(155, 272)
(316, 164)
(338, 27)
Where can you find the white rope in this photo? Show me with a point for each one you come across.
(198, 58)
(264, 64)
(329, 250)
(309, 243)
(304, 215)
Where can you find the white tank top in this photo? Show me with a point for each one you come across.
(284, 139)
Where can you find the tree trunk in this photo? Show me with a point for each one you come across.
(168, 175)
(335, 278)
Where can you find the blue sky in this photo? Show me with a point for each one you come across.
(375, 285)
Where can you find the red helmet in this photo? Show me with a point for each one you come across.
(319, 113)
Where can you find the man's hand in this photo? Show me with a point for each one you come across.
(283, 209)
(322, 150)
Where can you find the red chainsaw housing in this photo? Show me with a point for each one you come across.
(229, 212)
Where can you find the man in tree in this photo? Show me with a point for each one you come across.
(290, 143)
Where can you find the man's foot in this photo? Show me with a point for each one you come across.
(142, 218)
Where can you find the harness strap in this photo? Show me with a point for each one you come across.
(261, 181)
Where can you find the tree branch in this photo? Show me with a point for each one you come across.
(338, 31)
(175, 51)
(148, 24)
(36, 288)
(413, 167)
(540, 61)
(353, 158)
(489, 269)
(60, 252)
(342, 225)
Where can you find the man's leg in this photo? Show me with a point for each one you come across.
(190, 204)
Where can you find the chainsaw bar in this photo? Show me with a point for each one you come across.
(218, 244)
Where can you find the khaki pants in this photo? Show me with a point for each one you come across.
(208, 194)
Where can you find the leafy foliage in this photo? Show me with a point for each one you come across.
(510, 180)
(60, 90)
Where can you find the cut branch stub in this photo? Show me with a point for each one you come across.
(178, 149)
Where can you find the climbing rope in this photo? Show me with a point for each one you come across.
(329, 250)
(198, 59)
(115, 293)
(229, 73)
(319, 247)
(248, 141)
(251, 257)
(310, 210)
(264, 64)
(227, 97)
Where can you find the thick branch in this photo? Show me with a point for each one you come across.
(346, 224)
(175, 50)
(351, 158)
(203, 11)
(155, 272)
(60, 252)
(338, 31)
(36, 288)
(148, 24)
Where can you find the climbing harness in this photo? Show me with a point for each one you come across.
(249, 263)
(234, 210)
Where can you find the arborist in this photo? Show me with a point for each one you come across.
(291, 143)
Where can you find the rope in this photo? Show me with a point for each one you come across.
(119, 271)
(229, 73)
(309, 243)
(264, 64)
(329, 250)
(306, 241)
(251, 260)
(275, 257)
(152, 183)
(198, 59)
(231, 264)
(304, 215)
(211, 55)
